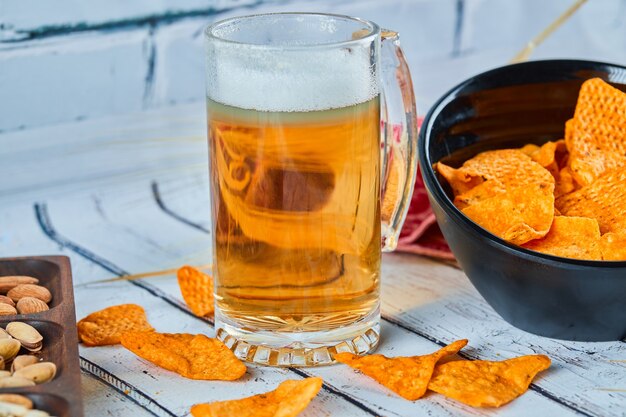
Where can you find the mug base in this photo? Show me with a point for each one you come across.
(299, 349)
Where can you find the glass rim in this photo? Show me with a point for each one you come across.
(373, 30)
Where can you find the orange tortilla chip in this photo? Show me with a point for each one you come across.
(603, 200)
(486, 383)
(507, 168)
(289, 399)
(479, 193)
(518, 216)
(197, 290)
(549, 153)
(613, 246)
(406, 376)
(192, 356)
(529, 149)
(565, 183)
(570, 237)
(596, 136)
(105, 327)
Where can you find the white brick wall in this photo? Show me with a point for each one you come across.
(71, 59)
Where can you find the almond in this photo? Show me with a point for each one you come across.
(30, 290)
(6, 300)
(30, 305)
(8, 282)
(7, 310)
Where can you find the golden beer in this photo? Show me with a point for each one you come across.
(296, 215)
(299, 142)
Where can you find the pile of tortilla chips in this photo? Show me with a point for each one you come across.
(566, 198)
(476, 383)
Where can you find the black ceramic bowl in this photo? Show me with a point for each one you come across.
(509, 107)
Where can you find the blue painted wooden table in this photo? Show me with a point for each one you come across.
(128, 193)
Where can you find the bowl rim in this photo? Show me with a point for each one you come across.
(437, 192)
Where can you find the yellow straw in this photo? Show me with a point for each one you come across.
(525, 53)
(141, 275)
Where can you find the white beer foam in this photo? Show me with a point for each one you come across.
(290, 80)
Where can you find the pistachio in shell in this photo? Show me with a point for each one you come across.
(10, 409)
(38, 373)
(22, 361)
(4, 334)
(9, 348)
(26, 334)
(17, 399)
(15, 382)
(36, 413)
(4, 374)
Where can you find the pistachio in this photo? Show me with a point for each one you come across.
(26, 334)
(22, 361)
(4, 334)
(9, 282)
(30, 305)
(34, 348)
(4, 374)
(17, 399)
(30, 290)
(39, 373)
(15, 382)
(9, 348)
(7, 310)
(36, 413)
(10, 409)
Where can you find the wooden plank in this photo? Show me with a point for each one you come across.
(154, 389)
(100, 398)
(91, 232)
(400, 283)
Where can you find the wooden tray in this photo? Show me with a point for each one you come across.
(61, 397)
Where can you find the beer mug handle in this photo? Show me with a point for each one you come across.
(398, 139)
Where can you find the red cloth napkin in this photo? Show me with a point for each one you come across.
(421, 234)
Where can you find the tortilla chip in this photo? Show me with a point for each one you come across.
(570, 237)
(613, 246)
(549, 153)
(519, 215)
(479, 193)
(603, 200)
(289, 399)
(486, 383)
(192, 356)
(197, 290)
(596, 136)
(529, 149)
(508, 168)
(105, 327)
(406, 376)
(565, 183)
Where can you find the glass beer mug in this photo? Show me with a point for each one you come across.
(312, 143)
